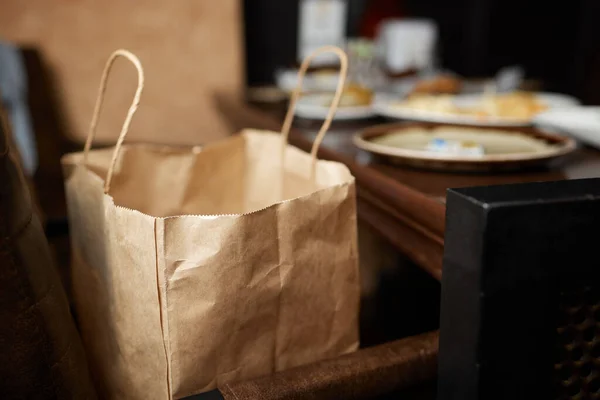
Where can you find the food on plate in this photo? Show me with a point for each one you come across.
(518, 105)
(326, 72)
(324, 78)
(514, 106)
(353, 96)
(467, 148)
(460, 141)
(428, 102)
(442, 84)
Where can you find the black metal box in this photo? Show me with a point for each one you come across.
(520, 292)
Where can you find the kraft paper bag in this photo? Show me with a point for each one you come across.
(194, 267)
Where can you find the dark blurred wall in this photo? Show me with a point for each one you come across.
(270, 28)
(480, 36)
(586, 71)
(271, 32)
(557, 42)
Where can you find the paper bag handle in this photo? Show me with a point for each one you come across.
(98, 107)
(287, 123)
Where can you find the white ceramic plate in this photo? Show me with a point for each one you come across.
(310, 106)
(582, 123)
(386, 108)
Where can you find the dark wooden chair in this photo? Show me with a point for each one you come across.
(402, 369)
(41, 356)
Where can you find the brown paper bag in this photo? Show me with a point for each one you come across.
(199, 266)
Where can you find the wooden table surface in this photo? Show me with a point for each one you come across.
(407, 205)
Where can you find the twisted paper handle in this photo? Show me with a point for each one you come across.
(98, 107)
(287, 123)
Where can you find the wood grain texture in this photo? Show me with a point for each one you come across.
(422, 247)
(191, 51)
(392, 368)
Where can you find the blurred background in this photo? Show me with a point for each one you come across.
(204, 60)
(557, 43)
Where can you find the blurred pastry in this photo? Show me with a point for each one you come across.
(442, 84)
(353, 96)
(514, 106)
(430, 103)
